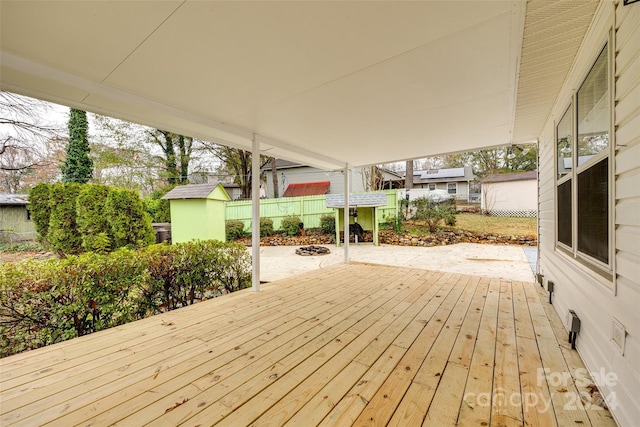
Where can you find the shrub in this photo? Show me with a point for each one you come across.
(328, 224)
(234, 230)
(40, 208)
(42, 303)
(433, 213)
(291, 225)
(93, 224)
(129, 223)
(63, 230)
(157, 207)
(266, 227)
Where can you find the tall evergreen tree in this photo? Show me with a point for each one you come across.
(78, 166)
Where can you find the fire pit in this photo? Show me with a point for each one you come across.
(312, 250)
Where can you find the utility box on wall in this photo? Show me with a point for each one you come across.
(197, 212)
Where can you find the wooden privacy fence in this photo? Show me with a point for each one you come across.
(309, 208)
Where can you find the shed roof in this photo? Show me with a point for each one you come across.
(508, 177)
(14, 199)
(191, 191)
(357, 200)
(306, 189)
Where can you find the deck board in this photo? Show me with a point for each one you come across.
(355, 344)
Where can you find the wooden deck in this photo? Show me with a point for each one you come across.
(345, 345)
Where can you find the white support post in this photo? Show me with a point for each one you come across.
(255, 214)
(346, 213)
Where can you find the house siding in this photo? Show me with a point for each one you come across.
(597, 300)
(304, 174)
(462, 187)
(14, 219)
(510, 198)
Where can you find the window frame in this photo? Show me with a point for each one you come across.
(456, 189)
(601, 268)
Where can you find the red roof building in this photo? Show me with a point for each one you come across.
(307, 189)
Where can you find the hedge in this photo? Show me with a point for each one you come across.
(42, 303)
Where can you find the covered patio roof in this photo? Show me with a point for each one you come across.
(320, 83)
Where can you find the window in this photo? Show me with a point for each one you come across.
(452, 188)
(432, 187)
(564, 156)
(582, 166)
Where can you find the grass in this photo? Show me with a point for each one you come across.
(479, 223)
(20, 247)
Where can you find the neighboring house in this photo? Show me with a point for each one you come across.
(15, 220)
(197, 212)
(456, 181)
(511, 194)
(233, 190)
(306, 180)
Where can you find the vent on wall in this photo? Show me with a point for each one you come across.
(573, 323)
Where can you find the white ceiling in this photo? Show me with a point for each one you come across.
(322, 83)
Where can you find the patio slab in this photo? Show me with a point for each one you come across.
(503, 261)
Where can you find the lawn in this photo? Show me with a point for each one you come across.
(496, 225)
(478, 223)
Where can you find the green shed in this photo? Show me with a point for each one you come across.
(365, 211)
(197, 212)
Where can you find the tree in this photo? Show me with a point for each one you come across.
(408, 178)
(235, 162)
(29, 143)
(373, 177)
(274, 177)
(492, 161)
(177, 150)
(40, 208)
(429, 163)
(63, 232)
(124, 155)
(93, 224)
(130, 223)
(78, 166)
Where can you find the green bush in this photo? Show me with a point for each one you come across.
(328, 224)
(433, 213)
(157, 207)
(42, 303)
(130, 224)
(93, 224)
(291, 225)
(234, 230)
(63, 232)
(40, 209)
(266, 227)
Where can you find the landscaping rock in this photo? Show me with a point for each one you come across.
(389, 237)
